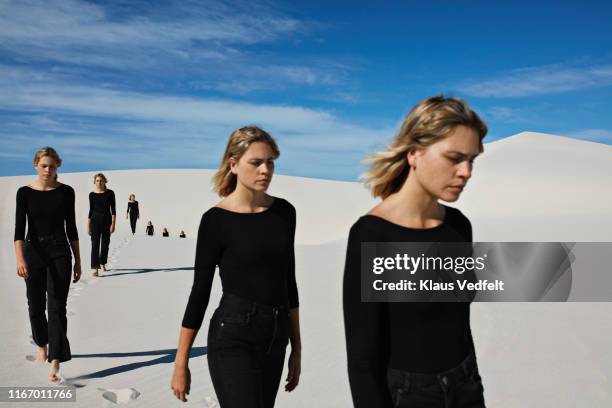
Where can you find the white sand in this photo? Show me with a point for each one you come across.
(123, 328)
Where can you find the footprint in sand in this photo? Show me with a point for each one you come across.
(210, 402)
(89, 281)
(65, 382)
(120, 395)
(30, 358)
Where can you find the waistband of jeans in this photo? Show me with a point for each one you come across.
(451, 376)
(233, 301)
(46, 238)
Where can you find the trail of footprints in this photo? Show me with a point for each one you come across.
(114, 396)
(117, 396)
(116, 251)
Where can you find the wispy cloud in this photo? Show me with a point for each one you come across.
(209, 45)
(594, 135)
(551, 79)
(58, 26)
(93, 123)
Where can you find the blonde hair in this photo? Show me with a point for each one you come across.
(224, 181)
(46, 151)
(429, 121)
(102, 176)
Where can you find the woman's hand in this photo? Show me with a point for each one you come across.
(112, 228)
(295, 368)
(22, 269)
(181, 382)
(77, 271)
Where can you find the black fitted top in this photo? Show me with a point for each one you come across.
(255, 255)
(47, 212)
(132, 208)
(102, 204)
(410, 336)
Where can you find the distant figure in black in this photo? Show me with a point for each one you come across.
(182, 234)
(133, 212)
(100, 222)
(150, 229)
(165, 233)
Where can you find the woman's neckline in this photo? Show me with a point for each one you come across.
(274, 200)
(442, 224)
(102, 192)
(44, 191)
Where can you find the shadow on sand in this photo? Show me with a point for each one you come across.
(166, 357)
(135, 271)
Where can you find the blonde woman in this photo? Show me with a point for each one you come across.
(249, 235)
(43, 256)
(415, 354)
(100, 222)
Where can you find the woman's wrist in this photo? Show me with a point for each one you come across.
(181, 364)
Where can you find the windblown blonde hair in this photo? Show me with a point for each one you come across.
(46, 151)
(224, 181)
(428, 122)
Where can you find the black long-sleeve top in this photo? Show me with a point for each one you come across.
(132, 209)
(414, 337)
(47, 212)
(102, 204)
(255, 255)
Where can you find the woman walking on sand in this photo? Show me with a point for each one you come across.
(43, 256)
(100, 222)
(133, 212)
(258, 313)
(415, 354)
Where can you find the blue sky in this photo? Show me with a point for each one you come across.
(126, 85)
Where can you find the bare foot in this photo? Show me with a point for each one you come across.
(103, 268)
(42, 355)
(53, 377)
(94, 272)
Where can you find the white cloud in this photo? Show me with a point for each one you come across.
(208, 45)
(551, 79)
(594, 135)
(120, 128)
(66, 24)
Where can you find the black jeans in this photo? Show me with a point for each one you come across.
(100, 234)
(133, 219)
(246, 352)
(459, 387)
(50, 269)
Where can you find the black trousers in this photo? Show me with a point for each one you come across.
(100, 240)
(459, 387)
(246, 352)
(50, 270)
(133, 219)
